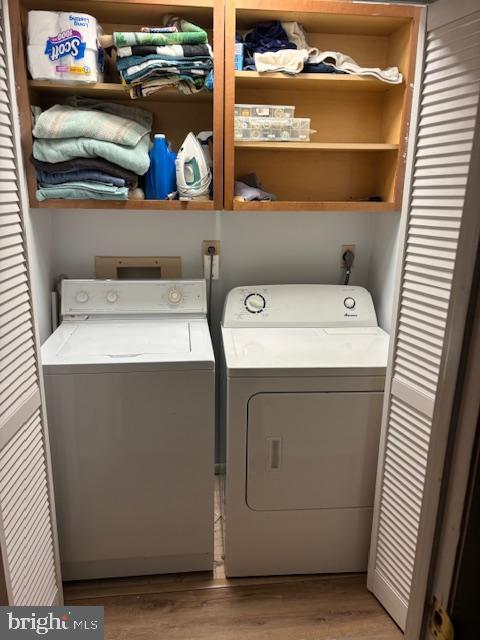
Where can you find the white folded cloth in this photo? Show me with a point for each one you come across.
(286, 60)
(296, 34)
(342, 62)
(292, 61)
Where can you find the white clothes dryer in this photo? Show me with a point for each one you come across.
(129, 380)
(304, 378)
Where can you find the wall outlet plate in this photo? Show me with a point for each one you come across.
(215, 267)
(346, 247)
(210, 243)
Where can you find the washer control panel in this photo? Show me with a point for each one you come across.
(305, 305)
(97, 297)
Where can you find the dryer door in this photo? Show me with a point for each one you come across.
(312, 450)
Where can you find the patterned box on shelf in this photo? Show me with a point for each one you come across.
(272, 129)
(264, 110)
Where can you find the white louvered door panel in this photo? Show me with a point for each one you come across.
(28, 546)
(447, 117)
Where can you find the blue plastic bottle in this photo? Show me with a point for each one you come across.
(160, 180)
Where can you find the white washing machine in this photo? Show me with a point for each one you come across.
(304, 377)
(129, 379)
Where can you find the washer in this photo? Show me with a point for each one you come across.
(129, 380)
(304, 378)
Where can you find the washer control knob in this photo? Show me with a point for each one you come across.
(82, 297)
(112, 296)
(174, 296)
(254, 303)
(349, 303)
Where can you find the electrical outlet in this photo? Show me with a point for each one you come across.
(210, 243)
(206, 259)
(345, 247)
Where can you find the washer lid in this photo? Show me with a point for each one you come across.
(126, 339)
(292, 351)
(156, 342)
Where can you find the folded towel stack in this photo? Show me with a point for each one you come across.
(176, 55)
(90, 149)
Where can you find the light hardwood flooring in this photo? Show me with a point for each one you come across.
(207, 606)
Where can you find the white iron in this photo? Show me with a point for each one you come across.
(193, 174)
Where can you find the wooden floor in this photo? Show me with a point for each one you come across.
(207, 606)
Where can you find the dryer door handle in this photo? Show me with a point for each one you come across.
(274, 454)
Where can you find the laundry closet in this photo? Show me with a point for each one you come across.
(258, 146)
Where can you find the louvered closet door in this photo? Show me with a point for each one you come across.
(29, 557)
(448, 109)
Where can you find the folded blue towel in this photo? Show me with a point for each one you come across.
(82, 191)
(77, 176)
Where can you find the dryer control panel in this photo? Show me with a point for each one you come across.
(299, 305)
(117, 297)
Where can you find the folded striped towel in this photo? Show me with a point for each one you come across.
(134, 159)
(173, 51)
(64, 121)
(188, 33)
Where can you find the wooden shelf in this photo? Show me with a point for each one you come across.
(360, 124)
(132, 12)
(127, 205)
(308, 82)
(173, 112)
(308, 205)
(334, 17)
(316, 146)
(113, 91)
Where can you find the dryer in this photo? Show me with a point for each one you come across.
(304, 369)
(129, 381)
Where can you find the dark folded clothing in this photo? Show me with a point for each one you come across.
(82, 175)
(89, 164)
(267, 36)
(130, 64)
(319, 67)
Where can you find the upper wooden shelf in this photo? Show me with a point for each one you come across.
(316, 146)
(127, 205)
(327, 206)
(309, 82)
(131, 12)
(114, 91)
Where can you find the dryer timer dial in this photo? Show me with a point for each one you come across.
(255, 303)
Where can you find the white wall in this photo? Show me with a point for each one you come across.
(256, 248)
(40, 256)
(383, 265)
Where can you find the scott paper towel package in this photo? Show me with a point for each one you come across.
(62, 46)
